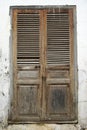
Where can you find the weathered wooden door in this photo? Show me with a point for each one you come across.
(43, 64)
(27, 65)
(59, 64)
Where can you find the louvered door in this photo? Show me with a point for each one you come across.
(59, 64)
(58, 71)
(43, 65)
(27, 95)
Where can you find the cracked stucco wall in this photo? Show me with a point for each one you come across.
(82, 62)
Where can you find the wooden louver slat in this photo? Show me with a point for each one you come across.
(28, 38)
(58, 51)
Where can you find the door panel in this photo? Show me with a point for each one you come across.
(57, 73)
(28, 97)
(57, 99)
(28, 74)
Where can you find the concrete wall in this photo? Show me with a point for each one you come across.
(82, 61)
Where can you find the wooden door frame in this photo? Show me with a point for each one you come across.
(13, 13)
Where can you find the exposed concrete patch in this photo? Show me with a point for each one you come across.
(31, 127)
(43, 127)
(67, 127)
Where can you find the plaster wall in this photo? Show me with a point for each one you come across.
(81, 57)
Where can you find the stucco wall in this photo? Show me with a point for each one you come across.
(82, 55)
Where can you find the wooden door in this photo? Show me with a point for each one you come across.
(43, 65)
(59, 65)
(27, 65)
